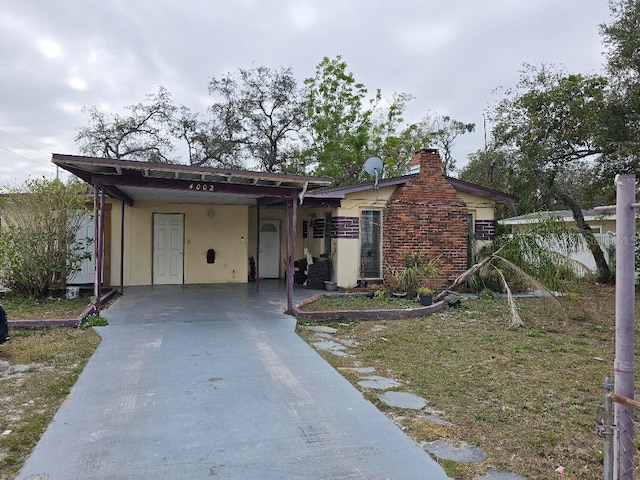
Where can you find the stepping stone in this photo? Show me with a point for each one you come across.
(500, 475)
(325, 336)
(333, 347)
(410, 401)
(464, 454)
(364, 370)
(319, 328)
(438, 420)
(378, 383)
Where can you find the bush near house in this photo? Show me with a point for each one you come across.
(38, 245)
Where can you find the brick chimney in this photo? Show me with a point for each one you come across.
(426, 216)
(426, 160)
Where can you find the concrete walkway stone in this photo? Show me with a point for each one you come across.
(409, 401)
(464, 454)
(500, 475)
(378, 383)
(331, 346)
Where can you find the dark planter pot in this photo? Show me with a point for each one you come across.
(426, 300)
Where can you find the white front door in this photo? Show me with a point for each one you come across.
(269, 263)
(168, 243)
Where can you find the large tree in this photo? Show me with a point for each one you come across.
(347, 125)
(262, 118)
(548, 123)
(340, 119)
(263, 110)
(142, 134)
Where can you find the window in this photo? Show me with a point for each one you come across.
(327, 233)
(596, 230)
(370, 243)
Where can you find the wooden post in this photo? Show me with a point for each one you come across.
(287, 254)
(122, 249)
(258, 250)
(98, 201)
(292, 252)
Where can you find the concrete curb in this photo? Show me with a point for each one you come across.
(363, 314)
(59, 322)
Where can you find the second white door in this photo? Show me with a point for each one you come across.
(269, 263)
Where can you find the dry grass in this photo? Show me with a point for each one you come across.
(526, 396)
(37, 371)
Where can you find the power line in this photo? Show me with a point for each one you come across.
(14, 153)
(23, 143)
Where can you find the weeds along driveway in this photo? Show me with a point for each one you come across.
(202, 381)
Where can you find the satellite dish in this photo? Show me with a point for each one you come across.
(373, 166)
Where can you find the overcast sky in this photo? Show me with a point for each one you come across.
(58, 56)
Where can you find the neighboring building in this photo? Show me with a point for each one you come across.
(602, 223)
(174, 224)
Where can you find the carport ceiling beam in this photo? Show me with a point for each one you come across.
(190, 186)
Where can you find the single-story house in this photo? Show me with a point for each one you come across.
(602, 223)
(175, 224)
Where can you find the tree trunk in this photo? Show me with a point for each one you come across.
(604, 273)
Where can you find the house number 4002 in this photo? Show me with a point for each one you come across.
(201, 187)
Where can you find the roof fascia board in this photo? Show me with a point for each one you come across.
(189, 185)
(70, 161)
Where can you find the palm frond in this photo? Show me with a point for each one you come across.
(538, 286)
(516, 320)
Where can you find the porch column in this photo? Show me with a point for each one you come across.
(98, 208)
(291, 248)
(258, 250)
(122, 250)
(287, 255)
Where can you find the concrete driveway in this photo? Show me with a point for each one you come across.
(195, 382)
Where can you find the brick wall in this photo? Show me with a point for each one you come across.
(485, 229)
(426, 216)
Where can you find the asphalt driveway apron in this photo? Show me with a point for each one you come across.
(195, 382)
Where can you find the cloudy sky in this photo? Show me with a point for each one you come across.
(58, 56)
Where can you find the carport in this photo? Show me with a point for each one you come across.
(132, 182)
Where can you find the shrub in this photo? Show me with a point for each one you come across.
(38, 245)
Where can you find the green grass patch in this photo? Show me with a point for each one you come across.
(526, 396)
(358, 302)
(22, 307)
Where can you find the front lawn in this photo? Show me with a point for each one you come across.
(37, 371)
(527, 396)
(22, 307)
(357, 302)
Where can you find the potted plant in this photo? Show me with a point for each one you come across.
(415, 271)
(426, 296)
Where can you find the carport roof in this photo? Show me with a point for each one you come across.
(132, 181)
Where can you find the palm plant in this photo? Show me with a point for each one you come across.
(537, 258)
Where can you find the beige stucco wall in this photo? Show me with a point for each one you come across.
(226, 231)
(232, 232)
(482, 208)
(347, 259)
